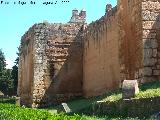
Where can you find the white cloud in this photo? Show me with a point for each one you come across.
(10, 64)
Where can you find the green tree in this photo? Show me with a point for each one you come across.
(3, 83)
(2, 63)
(14, 74)
(6, 82)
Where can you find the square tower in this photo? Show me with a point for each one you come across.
(139, 27)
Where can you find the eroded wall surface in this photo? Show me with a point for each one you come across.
(151, 40)
(50, 67)
(139, 36)
(101, 56)
(123, 44)
(32, 63)
(26, 71)
(130, 39)
(64, 59)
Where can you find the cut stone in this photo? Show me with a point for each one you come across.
(148, 53)
(1, 94)
(150, 43)
(129, 89)
(66, 108)
(156, 72)
(149, 62)
(147, 71)
(18, 101)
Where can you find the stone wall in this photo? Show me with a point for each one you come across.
(151, 38)
(101, 56)
(121, 45)
(130, 39)
(40, 64)
(26, 71)
(139, 39)
(64, 62)
(127, 108)
(50, 67)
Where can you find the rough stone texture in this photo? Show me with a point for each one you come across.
(129, 89)
(18, 101)
(151, 26)
(130, 108)
(78, 17)
(50, 67)
(66, 108)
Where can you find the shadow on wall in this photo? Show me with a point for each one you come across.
(65, 76)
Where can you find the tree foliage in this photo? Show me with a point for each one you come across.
(6, 83)
(8, 77)
(14, 75)
(2, 62)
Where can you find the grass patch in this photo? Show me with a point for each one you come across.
(146, 91)
(112, 96)
(8, 100)
(83, 103)
(149, 90)
(13, 112)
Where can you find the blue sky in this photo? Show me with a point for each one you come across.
(15, 19)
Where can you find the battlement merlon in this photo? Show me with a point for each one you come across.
(78, 17)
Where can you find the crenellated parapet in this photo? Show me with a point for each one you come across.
(78, 17)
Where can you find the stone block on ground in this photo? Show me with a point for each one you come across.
(1, 95)
(129, 89)
(66, 108)
(18, 101)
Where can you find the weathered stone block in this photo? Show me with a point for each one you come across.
(156, 72)
(148, 15)
(149, 61)
(1, 95)
(148, 53)
(129, 88)
(146, 79)
(149, 34)
(155, 52)
(66, 108)
(150, 43)
(147, 71)
(158, 67)
(150, 5)
(18, 101)
(148, 24)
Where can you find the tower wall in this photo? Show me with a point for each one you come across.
(50, 67)
(101, 56)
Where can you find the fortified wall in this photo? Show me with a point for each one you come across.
(123, 44)
(101, 55)
(50, 66)
(139, 36)
(58, 61)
